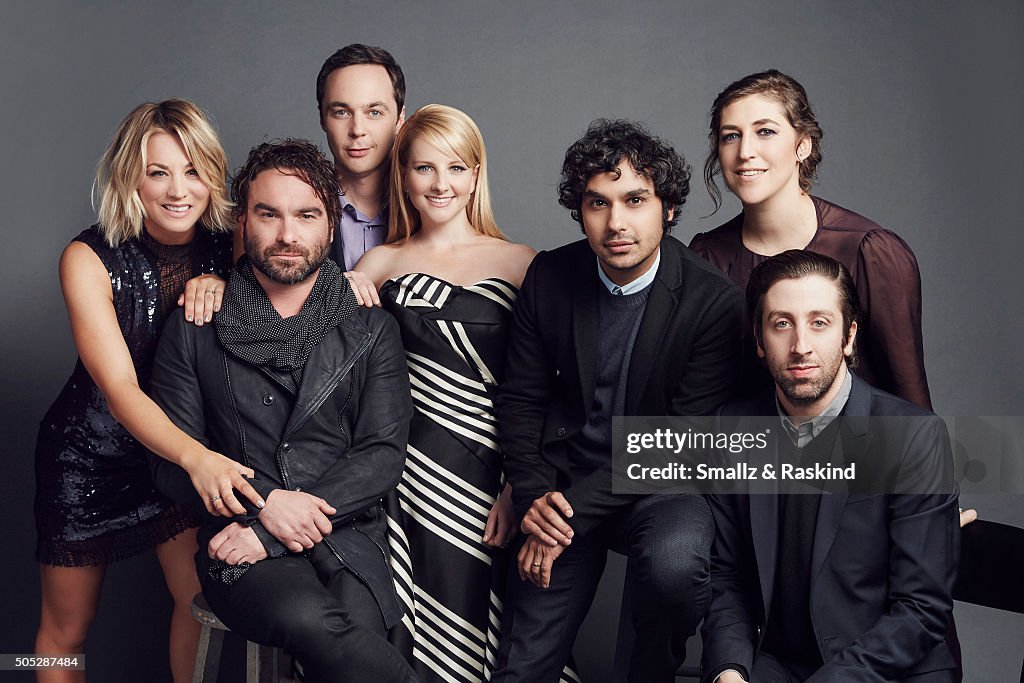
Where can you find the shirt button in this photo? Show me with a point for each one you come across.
(560, 431)
(286, 447)
(268, 399)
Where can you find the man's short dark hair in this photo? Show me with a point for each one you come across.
(357, 53)
(603, 147)
(299, 158)
(793, 265)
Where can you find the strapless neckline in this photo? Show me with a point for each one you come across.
(398, 280)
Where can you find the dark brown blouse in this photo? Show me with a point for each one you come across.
(890, 353)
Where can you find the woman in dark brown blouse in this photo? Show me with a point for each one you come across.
(766, 144)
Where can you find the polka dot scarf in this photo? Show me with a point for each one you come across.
(251, 329)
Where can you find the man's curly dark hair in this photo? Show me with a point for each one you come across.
(602, 149)
(291, 156)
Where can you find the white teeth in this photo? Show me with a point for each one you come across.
(439, 201)
(177, 209)
(750, 173)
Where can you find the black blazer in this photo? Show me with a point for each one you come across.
(882, 565)
(685, 361)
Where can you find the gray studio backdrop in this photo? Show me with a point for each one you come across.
(920, 102)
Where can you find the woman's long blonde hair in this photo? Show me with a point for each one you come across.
(122, 167)
(454, 133)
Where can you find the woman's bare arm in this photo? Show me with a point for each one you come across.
(101, 346)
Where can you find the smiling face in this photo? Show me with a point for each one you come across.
(361, 118)
(172, 193)
(759, 151)
(623, 221)
(804, 343)
(439, 185)
(285, 227)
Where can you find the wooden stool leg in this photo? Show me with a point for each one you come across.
(269, 657)
(211, 641)
(252, 662)
(201, 654)
(261, 663)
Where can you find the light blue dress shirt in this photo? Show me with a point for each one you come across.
(634, 286)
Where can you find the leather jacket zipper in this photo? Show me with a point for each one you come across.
(346, 565)
(387, 563)
(234, 411)
(315, 406)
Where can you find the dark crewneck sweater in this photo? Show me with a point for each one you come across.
(619, 319)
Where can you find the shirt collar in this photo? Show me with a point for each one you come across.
(636, 285)
(803, 433)
(350, 209)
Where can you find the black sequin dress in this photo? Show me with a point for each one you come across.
(95, 502)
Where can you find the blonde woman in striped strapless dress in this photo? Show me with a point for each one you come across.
(450, 277)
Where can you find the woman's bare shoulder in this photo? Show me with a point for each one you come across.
(510, 260)
(79, 262)
(380, 263)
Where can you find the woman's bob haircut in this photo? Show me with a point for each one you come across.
(123, 166)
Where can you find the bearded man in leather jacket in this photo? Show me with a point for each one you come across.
(310, 391)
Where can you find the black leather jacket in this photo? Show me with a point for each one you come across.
(342, 437)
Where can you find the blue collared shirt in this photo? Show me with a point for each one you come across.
(357, 233)
(636, 285)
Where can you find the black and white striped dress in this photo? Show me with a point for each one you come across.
(449, 581)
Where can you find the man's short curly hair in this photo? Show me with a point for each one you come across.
(299, 158)
(602, 149)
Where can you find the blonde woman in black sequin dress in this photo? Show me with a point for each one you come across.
(162, 217)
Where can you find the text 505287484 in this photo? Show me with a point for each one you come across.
(29, 662)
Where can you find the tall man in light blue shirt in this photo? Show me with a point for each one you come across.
(360, 95)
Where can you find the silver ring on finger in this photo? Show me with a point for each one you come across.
(535, 564)
(215, 499)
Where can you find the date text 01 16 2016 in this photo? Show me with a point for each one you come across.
(30, 662)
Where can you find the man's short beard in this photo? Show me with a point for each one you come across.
(286, 275)
(818, 390)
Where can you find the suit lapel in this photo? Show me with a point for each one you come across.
(830, 512)
(661, 302)
(848, 447)
(764, 528)
(764, 513)
(585, 324)
(660, 305)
